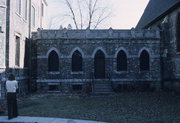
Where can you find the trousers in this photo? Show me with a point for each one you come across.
(12, 105)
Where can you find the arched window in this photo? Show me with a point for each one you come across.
(121, 61)
(53, 61)
(178, 33)
(144, 61)
(77, 61)
(99, 65)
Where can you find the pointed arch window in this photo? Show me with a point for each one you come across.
(53, 61)
(121, 61)
(144, 61)
(178, 33)
(99, 65)
(77, 61)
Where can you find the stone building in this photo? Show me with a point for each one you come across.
(68, 60)
(99, 61)
(21, 18)
(145, 57)
(165, 16)
(2, 39)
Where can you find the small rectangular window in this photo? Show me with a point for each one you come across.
(33, 16)
(1, 31)
(0, 92)
(17, 52)
(24, 11)
(53, 88)
(77, 88)
(42, 10)
(18, 6)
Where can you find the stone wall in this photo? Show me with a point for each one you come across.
(170, 57)
(87, 42)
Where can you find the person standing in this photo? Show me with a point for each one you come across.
(11, 87)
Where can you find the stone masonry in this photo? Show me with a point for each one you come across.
(88, 42)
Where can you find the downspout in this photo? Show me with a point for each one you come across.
(7, 34)
(41, 14)
(30, 74)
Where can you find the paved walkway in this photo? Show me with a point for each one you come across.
(22, 119)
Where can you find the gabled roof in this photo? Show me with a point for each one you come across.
(155, 10)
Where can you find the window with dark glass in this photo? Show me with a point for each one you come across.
(99, 65)
(53, 87)
(144, 61)
(76, 61)
(0, 91)
(24, 9)
(178, 33)
(77, 88)
(17, 52)
(121, 61)
(53, 61)
(42, 9)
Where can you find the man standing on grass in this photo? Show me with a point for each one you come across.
(11, 87)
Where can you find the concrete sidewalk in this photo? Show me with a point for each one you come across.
(24, 119)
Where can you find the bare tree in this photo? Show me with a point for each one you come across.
(87, 13)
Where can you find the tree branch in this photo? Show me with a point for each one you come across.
(72, 12)
(81, 16)
(101, 18)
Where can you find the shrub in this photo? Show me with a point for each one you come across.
(2, 106)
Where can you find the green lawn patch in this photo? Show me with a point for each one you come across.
(120, 108)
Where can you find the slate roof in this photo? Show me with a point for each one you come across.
(155, 10)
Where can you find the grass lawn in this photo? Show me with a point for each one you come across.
(147, 107)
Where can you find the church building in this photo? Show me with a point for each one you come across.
(144, 58)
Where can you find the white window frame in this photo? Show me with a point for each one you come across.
(24, 9)
(18, 6)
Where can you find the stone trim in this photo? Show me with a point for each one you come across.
(120, 72)
(53, 49)
(78, 49)
(123, 49)
(99, 48)
(147, 49)
(96, 34)
(53, 73)
(87, 80)
(79, 72)
(22, 78)
(90, 57)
